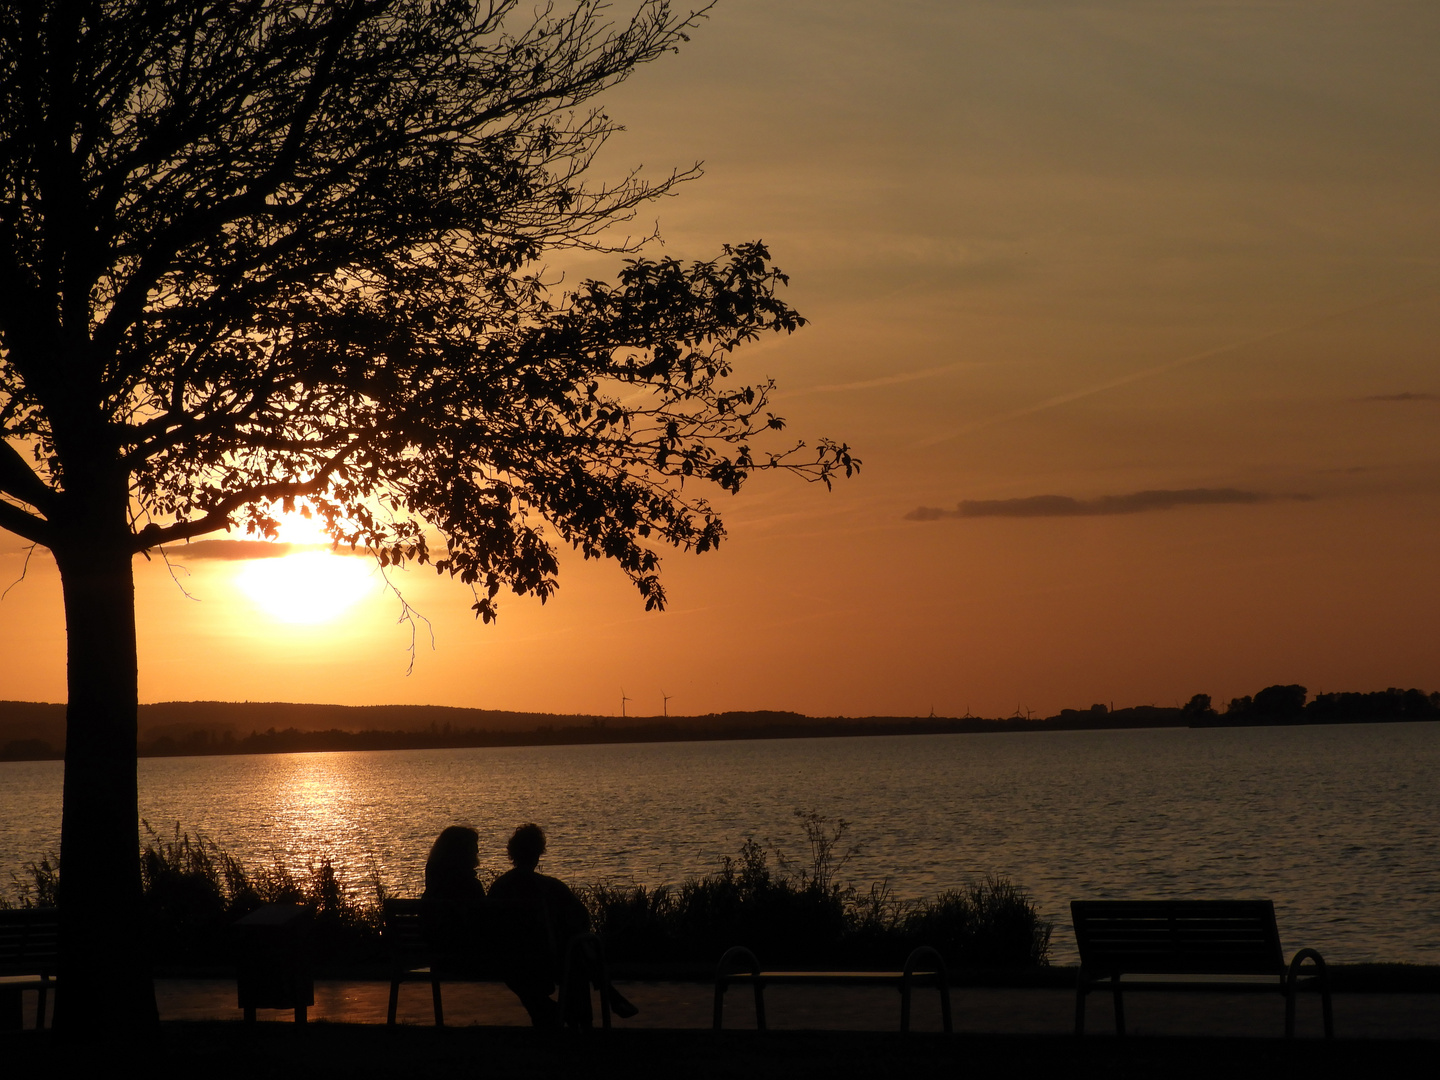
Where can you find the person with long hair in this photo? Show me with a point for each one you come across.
(454, 900)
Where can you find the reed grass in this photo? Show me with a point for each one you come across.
(805, 915)
(788, 911)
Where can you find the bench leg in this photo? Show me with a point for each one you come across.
(1079, 1011)
(435, 996)
(941, 985)
(394, 1002)
(719, 1014)
(1119, 1008)
(1326, 1012)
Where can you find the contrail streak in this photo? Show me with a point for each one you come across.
(1160, 369)
(883, 380)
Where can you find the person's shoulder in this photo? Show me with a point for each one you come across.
(555, 885)
(507, 884)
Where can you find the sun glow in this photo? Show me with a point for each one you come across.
(310, 585)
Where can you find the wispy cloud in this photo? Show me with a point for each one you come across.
(883, 380)
(231, 549)
(1065, 506)
(1405, 396)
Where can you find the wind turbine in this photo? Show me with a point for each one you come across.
(665, 703)
(623, 699)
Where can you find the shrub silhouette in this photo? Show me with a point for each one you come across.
(787, 913)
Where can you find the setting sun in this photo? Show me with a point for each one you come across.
(309, 587)
(309, 584)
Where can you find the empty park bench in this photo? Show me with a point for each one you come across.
(1188, 945)
(924, 966)
(408, 945)
(29, 949)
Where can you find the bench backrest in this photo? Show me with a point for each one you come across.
(494, 931)
(29, 941)
(1190, 937)
(404, 933)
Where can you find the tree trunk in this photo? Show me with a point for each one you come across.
(105, 984)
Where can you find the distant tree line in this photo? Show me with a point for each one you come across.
(1290, 704)
(1287, 704)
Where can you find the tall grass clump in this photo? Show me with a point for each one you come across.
(195, 891)
(988, 924)
(801, 912)
(35, 886)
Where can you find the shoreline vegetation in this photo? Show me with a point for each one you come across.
(35, 731)
(796, 911)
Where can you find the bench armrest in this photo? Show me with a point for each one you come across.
(1292, 973)
(735, 959)
(1322, 979)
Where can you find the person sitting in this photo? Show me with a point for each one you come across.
(455, 901)
(545, 916)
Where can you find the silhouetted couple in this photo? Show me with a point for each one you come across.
(523, 925)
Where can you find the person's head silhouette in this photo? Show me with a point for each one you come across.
(526, 846)
(456, 851)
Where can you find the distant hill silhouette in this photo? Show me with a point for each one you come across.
(36, 730)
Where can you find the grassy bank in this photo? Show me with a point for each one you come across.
(787, 911)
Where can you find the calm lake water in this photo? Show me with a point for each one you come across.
(1340, 825)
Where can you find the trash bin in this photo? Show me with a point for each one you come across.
(273, 960)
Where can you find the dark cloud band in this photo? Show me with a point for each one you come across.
(1065, 506)
(234, 549)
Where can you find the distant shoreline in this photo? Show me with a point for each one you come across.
(34, 731)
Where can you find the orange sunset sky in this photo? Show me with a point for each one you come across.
(1064, 249)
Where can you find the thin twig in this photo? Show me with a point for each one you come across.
(23, 569)
(408, 614)
(171, 567)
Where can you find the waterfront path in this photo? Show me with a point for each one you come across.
(977, 1010)
(822, 1033)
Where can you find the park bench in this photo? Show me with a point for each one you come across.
(1189, 945)
(924, 966)
(411, 960)
(29, 950)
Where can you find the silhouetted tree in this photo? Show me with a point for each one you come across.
(1197, 710)
(265, 252)
(1274, 705)
(1281, 704)
(1239, 708)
